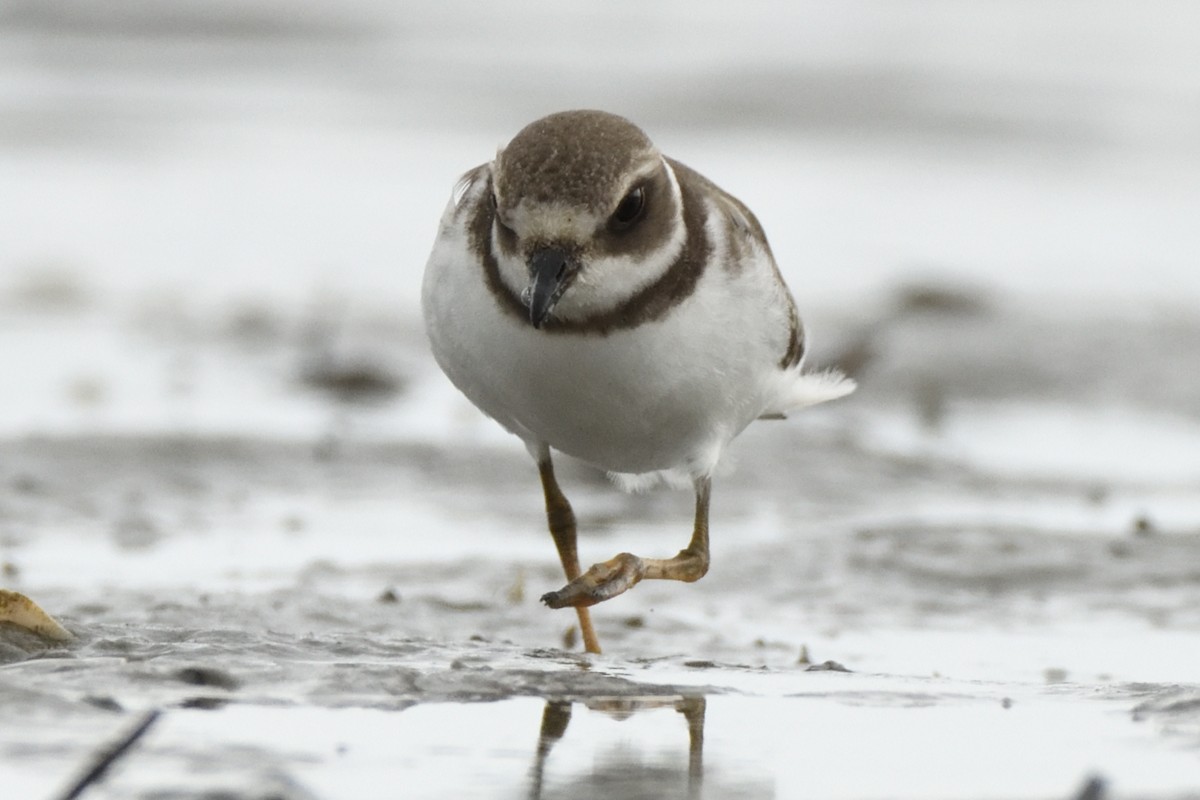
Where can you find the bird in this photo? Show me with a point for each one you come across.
(602, 300)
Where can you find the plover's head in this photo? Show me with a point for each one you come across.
(586, 214)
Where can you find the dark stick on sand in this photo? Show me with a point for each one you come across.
(106, 757)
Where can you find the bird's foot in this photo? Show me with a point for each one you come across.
(603, 581)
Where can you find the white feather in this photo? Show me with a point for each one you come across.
(809, 389)
(659, 401)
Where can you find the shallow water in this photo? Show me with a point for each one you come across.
(353, 612)
(651, 746)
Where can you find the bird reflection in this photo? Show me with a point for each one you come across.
(629, 776)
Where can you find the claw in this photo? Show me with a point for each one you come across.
(601, 582)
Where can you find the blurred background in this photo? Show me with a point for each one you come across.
(224, 444)
(272, 150)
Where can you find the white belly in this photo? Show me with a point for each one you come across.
(665, 395)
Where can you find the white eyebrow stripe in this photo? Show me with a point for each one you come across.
(647, 171)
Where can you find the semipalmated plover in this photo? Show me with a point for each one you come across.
(598, 298)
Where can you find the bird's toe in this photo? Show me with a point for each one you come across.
(602, 582)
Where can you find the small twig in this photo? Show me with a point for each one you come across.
(105, 758)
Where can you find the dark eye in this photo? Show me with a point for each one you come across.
(502, 225)
(630, 208)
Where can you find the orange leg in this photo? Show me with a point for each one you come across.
(625, 570)
(561, 520)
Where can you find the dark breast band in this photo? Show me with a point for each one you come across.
(654, 301)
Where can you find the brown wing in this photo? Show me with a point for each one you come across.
(794, 352)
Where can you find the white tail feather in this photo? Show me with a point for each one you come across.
(810, 389)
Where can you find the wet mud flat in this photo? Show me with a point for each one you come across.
(284, 535)
(904, 602)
